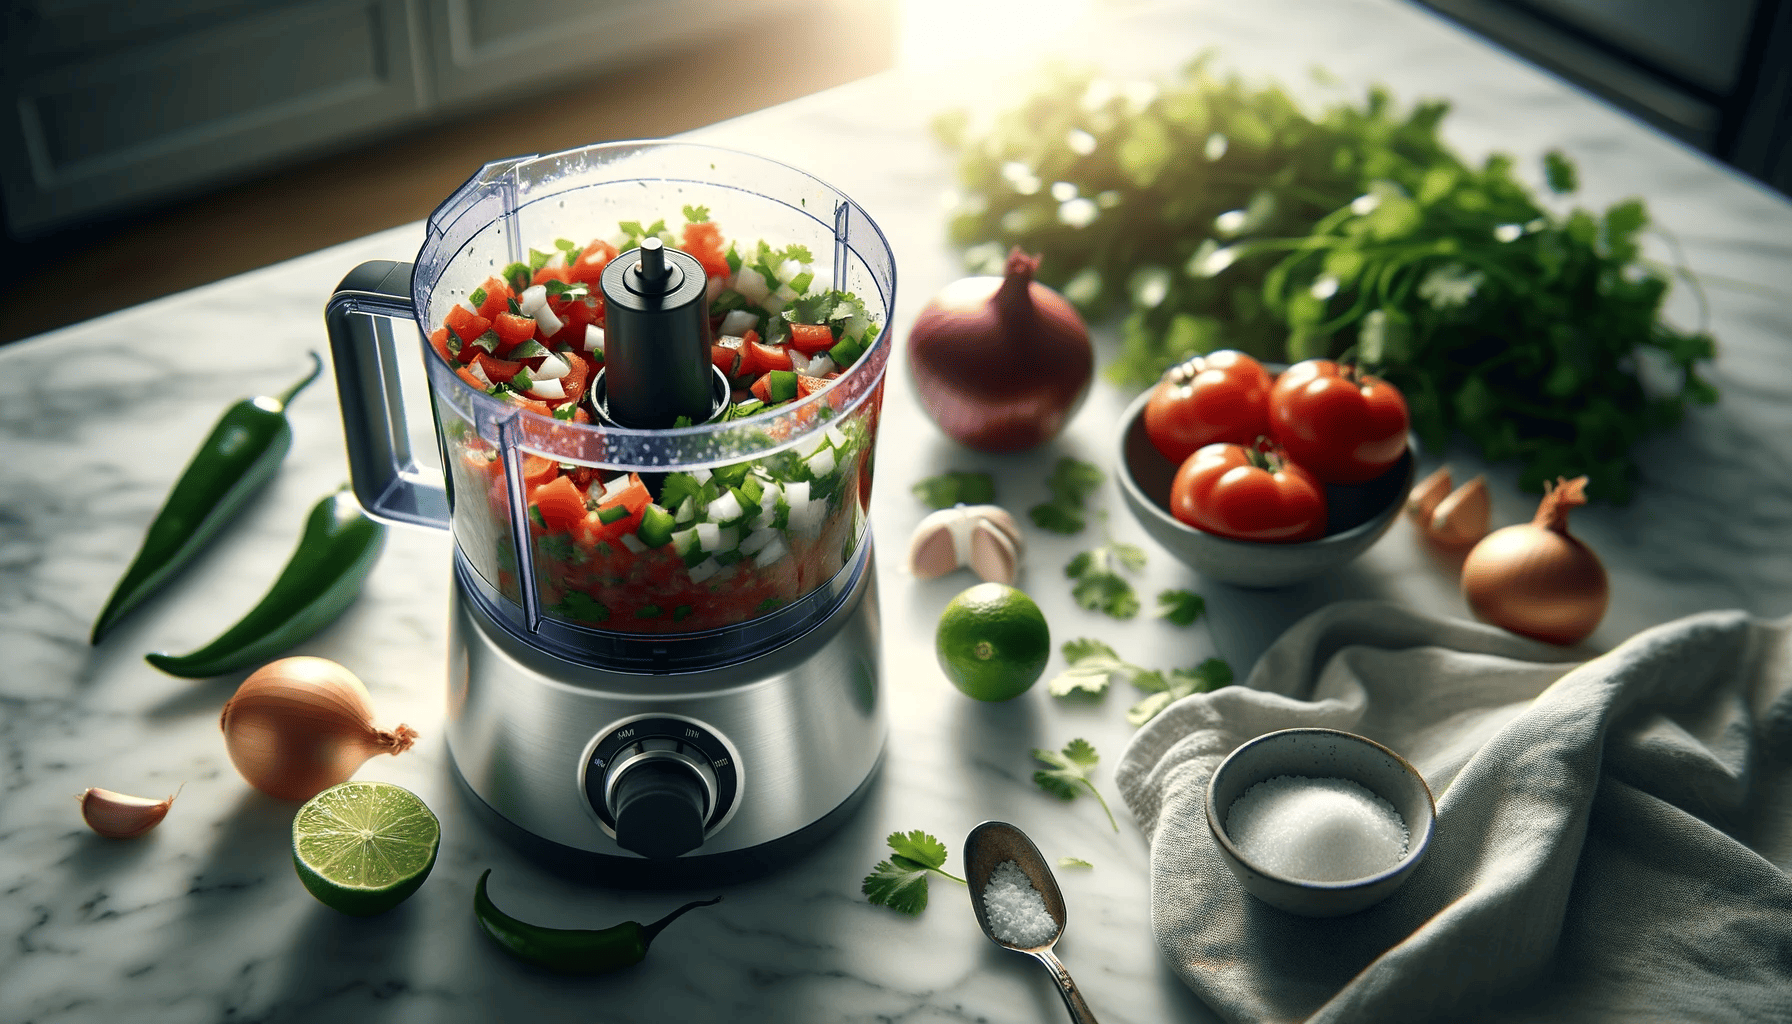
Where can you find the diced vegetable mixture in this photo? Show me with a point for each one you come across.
(713, 547)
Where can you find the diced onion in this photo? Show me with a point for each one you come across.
(704, 570)
(614, 487)
(821, 365)
(752, 286)
(836, 438)
(549, 323)
(738, 322)
(822, 463)
(773, 305)
(768, 497)
(757, 540)
(772, 552)
(797, 493)
(594, 338)
(553, 367)
(633, 543)
(533, 298)
(687, 510)
(550, 388)
(479, 371)
(810, 445)
(785, 294)
(701, 475)
(709, 536)
(725, 508)
(788, 271)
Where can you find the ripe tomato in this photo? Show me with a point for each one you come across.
(1222, 396)
(1248, 494)
(1343, 427)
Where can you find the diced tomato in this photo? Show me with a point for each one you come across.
(438, 340)
(591, 263)
(725, 356)
(811, 338)
(551, 274)
(498, 370)
(704, 241)
(467, 375)
(482, 461)
(534, 405)
(512, 331)
(465, 322)
(762, 389)
(577, 312)
(577, 377)
(497, 298)
(635, 497)
(582, 476)
(756, 359)
(538, 471)
(561, 503)
(807, 385)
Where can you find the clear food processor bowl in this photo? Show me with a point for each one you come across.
(776, 532)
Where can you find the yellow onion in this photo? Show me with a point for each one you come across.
(1536, 580)
(298, 726)
(119, 816)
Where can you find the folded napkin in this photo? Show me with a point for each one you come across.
(1613, 837)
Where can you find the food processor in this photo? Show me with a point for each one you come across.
(715, 739)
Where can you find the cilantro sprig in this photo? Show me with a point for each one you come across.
(1093, 665)
(900, 883)
(1180, 607)
(1069, 768)
(954, 487)
(1099, 586)
(1071, 484)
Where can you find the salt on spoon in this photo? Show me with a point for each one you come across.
(1000, 862)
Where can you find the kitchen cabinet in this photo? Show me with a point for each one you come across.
(112, 107)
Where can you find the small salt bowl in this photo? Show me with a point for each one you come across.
(1321, 754)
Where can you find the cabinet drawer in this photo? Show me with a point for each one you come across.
(170, 114)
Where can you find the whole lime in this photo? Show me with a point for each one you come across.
(992, 642)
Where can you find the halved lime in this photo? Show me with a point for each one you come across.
(364, 847)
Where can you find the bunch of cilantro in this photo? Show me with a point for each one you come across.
(1216, 215)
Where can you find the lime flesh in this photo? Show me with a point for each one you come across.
(363, 847)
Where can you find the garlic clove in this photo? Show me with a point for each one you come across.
(119, 816)
(1422, 503)
(1464, 516)
(998, 517)
(931, 552)
(993, 557)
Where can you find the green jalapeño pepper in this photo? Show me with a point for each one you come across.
(323, 576)
(240, 455)
(572, 950)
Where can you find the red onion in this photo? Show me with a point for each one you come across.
(1001, 363)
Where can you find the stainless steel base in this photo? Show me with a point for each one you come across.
(801, 728)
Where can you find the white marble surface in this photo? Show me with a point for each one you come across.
(204, 920)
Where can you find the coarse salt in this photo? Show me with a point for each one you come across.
(1015, 910)
(1321, 830)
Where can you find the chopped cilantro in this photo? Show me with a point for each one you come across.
(1068, 769)
(1181, 607)
(580, 607)
(900, 883)
(1099, 588)
(955, 487)
(696, 214)
(565, 244)
(538, 259)
(1071, 484)
(1073, 862)
(648, 611)
(1203, 678)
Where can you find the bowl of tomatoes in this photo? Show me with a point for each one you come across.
(1261, 475)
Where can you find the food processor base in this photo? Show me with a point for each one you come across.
(637, 778)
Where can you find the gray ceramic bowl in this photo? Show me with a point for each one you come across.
(1321, 753)
(1357, 515)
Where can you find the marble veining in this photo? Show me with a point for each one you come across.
(204, 921)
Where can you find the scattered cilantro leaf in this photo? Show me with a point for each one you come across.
(1208, 676)
(1068, 769)
(1181, 607)
(1093, 665)
(1071, 484)
(900, 883)
(1073, 862)
(696, 214)
(1098, 586)
(1057, 518)
(955, 488)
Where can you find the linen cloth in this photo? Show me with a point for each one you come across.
(1612, 841)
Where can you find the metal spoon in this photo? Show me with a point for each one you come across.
(988, 845)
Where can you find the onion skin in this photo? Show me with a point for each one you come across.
(300, 725)
(1001, 363)
(1535, 579)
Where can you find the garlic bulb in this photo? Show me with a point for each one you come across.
(118, 816)
(983, 537)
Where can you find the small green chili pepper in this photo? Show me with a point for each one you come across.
(240, 455)
(573, 950)
(324, 574)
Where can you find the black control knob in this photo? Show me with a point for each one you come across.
(661, 806)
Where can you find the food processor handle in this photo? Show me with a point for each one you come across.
(387, 480)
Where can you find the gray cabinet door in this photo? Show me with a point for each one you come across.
(124, 121)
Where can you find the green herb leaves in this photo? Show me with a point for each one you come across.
(1093, 665)
(1071, 484)
(1181, 607)
(900, 883)
(956, 488)
(1098, 586)
(1067, 769)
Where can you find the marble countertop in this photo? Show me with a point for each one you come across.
(203, 920)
